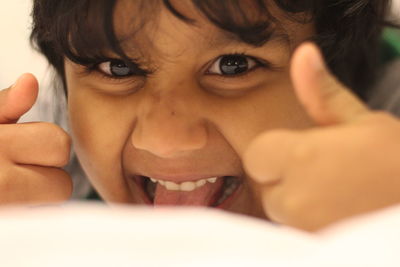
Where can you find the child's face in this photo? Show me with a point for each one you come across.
(185, 121)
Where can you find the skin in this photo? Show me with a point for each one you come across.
(309, 152)
(32, 154)
(180, 121)
(345, 166)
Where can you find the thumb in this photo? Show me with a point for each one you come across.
(18, 99)
(325, 99)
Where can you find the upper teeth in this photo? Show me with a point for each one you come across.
(185, 186)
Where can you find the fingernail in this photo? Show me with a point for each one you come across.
(16, 82)
(315, 58)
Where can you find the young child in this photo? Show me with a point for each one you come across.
(225, 104)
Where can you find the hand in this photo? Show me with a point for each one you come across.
(348, 164)
(31, 154)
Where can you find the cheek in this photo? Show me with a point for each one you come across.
(273, 107)
(100, 128)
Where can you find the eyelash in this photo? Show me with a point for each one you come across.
(258, 62)
(94, 68)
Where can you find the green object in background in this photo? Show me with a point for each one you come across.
(391, 44)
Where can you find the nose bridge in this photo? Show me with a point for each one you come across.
(169, 124)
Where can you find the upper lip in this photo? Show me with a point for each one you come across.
(180, 178)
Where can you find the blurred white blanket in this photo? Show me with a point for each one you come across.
(93, 235)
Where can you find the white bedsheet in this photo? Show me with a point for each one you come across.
(92, 235)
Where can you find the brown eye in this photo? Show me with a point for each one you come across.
(115, 68)
(230, 65)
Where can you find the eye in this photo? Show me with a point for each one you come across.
(230, 65)
(115, 68)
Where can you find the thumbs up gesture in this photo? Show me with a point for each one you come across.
(348, 164)
(31, 154)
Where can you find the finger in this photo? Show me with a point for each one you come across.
(18, 99)
(267, 155)
(34, 185)
(325, 99)
(37, 143)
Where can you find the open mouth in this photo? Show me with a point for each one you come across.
(212, 192)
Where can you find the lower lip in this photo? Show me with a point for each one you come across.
(139, 182)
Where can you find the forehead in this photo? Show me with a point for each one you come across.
(149, 25)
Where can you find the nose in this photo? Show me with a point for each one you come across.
(168, 127)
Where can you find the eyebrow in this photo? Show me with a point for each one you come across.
(226, 38)
(217, 41)
(223, 38)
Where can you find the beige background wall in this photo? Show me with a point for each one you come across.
(16, 57)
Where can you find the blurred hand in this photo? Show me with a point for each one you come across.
(348, 164)
(31, 154)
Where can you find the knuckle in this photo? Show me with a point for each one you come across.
(302, 153)
(304, 213)
(59, 143)
(291, 207)
(296, 210)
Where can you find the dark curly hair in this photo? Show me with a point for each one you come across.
(348, 31)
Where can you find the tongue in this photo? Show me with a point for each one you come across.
(203, 196)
